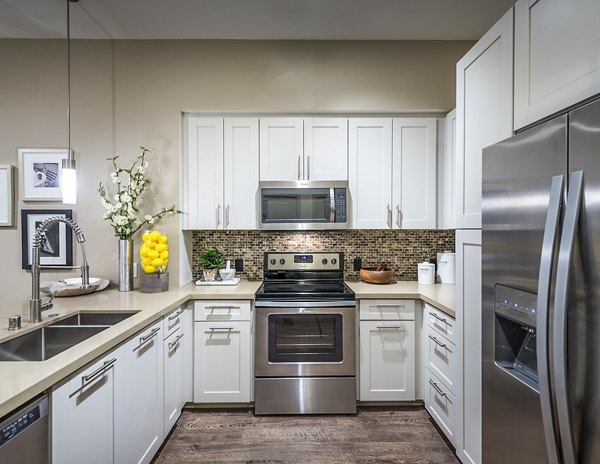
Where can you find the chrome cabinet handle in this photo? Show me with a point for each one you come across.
(87, 379)
(212, 329)
(389, 216)
(146, 338)
(399, 216)
(397, 327)
(561, 298)
(438, 343)
(212, 308)
(176, 315)
(308, 168)
(218, 215)
(544, 281)
(437, 389)
(298, 168)
(175, 342)
(227, 216)
(438, 318)
(389, 306)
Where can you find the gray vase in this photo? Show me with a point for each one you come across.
(125, 265)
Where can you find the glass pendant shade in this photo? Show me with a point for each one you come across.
(69, 182)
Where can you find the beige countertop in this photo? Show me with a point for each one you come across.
(442, 296)
(21, 381)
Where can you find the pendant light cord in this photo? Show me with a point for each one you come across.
(69, 77)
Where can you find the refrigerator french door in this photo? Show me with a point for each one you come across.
(540, 293)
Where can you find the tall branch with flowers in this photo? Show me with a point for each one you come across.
(122, 209)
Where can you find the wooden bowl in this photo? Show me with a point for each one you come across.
(371, 275)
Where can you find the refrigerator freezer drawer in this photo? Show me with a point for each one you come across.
(440, 321)
(441, 404)
(440, 357)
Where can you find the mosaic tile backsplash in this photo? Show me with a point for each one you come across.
(400, 249)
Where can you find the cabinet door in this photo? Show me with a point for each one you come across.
(203, 174)
(222, 362)
(414, 177)
(387, 360)
(556, 56)
(484, 98)
(448, 174)
(281, 150)
(241, 173)
(326, 149)
(174, 366)
(188, 347)
(370, 172)
(468, 347)
(83, 413)
(139, 424)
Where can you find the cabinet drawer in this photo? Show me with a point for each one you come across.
(377, 310)
(222, 310)
(439, 356)
(172, 322)
(440, 322)
(88, 378)
(441, 404)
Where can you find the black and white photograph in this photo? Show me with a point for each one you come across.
(56, 244)
(41, 170)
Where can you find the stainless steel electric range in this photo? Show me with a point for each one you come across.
(305, 338)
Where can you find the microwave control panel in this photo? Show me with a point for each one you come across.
(340, 205)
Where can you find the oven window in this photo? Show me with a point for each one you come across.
(295, 205)
(297, 338)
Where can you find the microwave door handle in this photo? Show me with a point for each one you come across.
(542, 317)
(561, 299)
(332, 205)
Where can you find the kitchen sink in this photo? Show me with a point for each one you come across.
(48, 341)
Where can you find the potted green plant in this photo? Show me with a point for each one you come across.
(210, 261)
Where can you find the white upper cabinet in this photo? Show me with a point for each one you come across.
(240, 173)
(281, 149)
(447, 176)
(220, 173)
(203, 174)
(370, 172)
(325, 149)
(484, 95)
(557, 63)
(414, 173)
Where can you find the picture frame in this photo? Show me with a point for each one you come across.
(6, 196)
(41, 173)
(57, 245)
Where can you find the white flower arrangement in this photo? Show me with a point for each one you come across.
(123, 210)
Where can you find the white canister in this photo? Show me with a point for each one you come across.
(426, 273)
(446, 268)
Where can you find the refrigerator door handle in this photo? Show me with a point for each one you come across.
(544, 281)
(561, 298)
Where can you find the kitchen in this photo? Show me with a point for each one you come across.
(143, 91)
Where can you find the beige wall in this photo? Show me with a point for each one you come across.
(131, 93)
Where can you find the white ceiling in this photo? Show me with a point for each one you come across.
(253, 19)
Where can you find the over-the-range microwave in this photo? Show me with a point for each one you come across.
(303, 205)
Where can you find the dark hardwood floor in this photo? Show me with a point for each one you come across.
(372, 436)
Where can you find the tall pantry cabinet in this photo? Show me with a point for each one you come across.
(483, 117)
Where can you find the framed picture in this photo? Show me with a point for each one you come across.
(57, 242)
(6, 196)
(41, 173)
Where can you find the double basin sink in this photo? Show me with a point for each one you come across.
(48, 341)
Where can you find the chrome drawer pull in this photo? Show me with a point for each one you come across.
(229, 308)
(397, 327)
(390, 306)
(175, 342)
(212, 329)
(438, 343)
(146, 338)
(176, 315)
(437, 389)
(444, 320)
(85, 379)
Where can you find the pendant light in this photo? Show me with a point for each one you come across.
(69, 176)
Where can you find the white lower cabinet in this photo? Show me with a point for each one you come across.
(387, 351)
(222, 351)
(174, 365)
(441, 404)
(139, 420)
(83, 413)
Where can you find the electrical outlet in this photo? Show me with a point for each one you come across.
(357, 264)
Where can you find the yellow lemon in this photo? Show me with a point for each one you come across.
(160, 247)
(146, 261)
(155, 236)
(163, 239)
(146, 236)
(153, 254)
(143, 251)
(164, 254)
(149, 269)
(150, 244)
(157, 262)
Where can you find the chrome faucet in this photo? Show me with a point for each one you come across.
(36, 305)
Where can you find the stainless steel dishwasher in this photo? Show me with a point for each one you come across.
(24, 434)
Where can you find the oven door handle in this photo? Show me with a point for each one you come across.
(307, 304)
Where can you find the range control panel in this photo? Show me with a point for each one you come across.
(303, 261)
(517, 305)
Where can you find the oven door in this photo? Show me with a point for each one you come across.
(301, 342)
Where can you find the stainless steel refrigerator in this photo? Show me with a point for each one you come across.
(541, 293)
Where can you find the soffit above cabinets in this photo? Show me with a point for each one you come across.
(253, 20)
